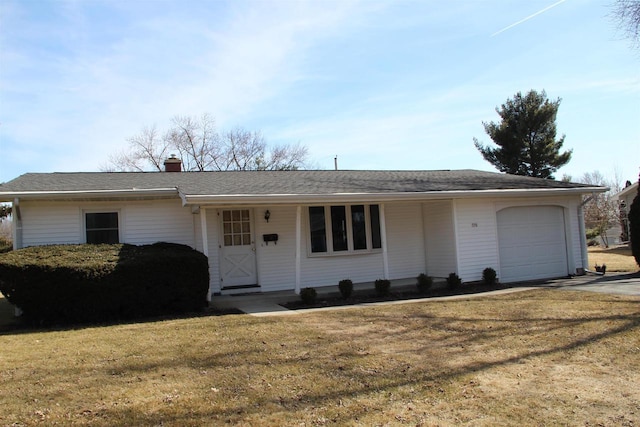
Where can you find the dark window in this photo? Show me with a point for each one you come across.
(376, 240)
(102, 227)
(353, 228)
(359, 227)
(339, 228)
(318, 229)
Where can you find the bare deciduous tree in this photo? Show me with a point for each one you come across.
(627, 15)
(202, 148)
(602, 212)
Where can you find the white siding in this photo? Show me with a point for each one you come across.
(575, 255)
(440, 238)
(139, 222)
(405, 240)
(477, 237)
(276, 261)
(50, 223)
(157, 221)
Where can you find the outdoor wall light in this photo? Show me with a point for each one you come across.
(267, 215)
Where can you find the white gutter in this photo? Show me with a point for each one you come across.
(240, 199)
(79, 194)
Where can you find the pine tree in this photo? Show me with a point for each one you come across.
(634, 226)
(526, 137)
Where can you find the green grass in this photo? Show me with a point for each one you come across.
(543, 357)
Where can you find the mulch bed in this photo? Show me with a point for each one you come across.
(369, 296)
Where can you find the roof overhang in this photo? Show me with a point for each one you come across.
(288, 199)
(123, 194)
(633, 188)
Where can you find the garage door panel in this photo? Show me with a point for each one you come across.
(532, 243)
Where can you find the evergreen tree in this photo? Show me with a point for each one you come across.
(526, 137)
(634, 226)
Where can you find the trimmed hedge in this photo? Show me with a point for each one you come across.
(88, 283)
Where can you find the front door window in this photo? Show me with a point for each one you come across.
(236, 226)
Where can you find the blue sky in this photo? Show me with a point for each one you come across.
(381, 84)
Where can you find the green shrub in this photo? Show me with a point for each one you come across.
(424, 282)
(383, 286)
(80, 283)
(308, 295)
(453, 281)
(489, 276)
(346, 288)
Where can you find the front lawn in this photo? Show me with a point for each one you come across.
(542, 357)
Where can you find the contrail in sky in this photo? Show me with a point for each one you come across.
(527, 18)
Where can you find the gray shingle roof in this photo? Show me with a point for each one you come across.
(256, 183)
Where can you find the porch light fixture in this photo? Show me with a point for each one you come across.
(267, 215)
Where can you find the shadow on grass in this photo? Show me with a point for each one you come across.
(351, 381)
(10, 324)
(407, 293)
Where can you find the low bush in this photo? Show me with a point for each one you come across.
(308, 295)
(383, 287)
(453, 281)
(346, 288)
(424, 282)
(489, 276)
(80, 283)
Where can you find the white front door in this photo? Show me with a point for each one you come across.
(238, 251)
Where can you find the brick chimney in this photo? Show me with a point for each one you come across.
(173, 164)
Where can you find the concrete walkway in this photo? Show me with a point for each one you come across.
(267, 304)
(611, 283)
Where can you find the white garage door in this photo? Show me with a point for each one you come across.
(532, 243)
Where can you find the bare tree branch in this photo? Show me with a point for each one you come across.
(627, 15)
(202, 148)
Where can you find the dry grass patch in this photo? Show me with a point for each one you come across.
(616, 258)
(543, 357)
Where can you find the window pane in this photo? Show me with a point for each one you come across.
(318, 229)
(236, 215)
(339, 228)
(359, 227)
(237, 240)
(245, 215)
(246, 239)
(102, 220)
(228, 241)
(102, 236)
(226, 215)
(102, 227)
(376, 240)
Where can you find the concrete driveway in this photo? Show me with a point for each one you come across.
(611, 283)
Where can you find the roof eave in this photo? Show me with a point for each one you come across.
(130, 193)
(247, 199)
